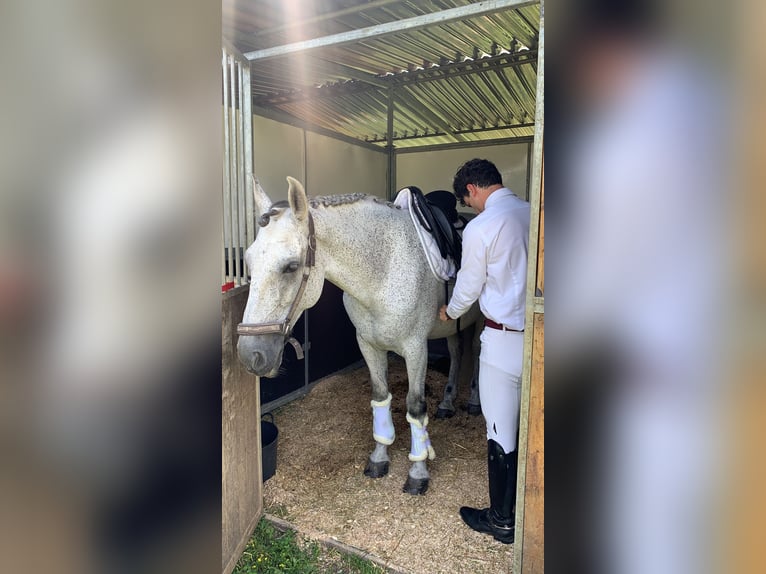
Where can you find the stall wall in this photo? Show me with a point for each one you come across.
(431, 170)
(325, 165)
(336, 167)
(278, 152)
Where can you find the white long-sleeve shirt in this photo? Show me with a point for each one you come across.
(494, 265)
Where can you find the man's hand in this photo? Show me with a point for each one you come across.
(443, 314)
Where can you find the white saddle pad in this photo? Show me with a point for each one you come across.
(443, 269)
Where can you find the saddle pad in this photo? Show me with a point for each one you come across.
(443, 269)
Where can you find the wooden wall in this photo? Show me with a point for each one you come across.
(241, 503)
(530, 521)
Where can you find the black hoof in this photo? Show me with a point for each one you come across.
(376, 469)
(444, 414)
(473, 409)
(415, 485)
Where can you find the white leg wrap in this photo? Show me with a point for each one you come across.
(382, 425)
(421, 444)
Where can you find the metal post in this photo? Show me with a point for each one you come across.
(226, 168)
(247, 109)
(391, 171)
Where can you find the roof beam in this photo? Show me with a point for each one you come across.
(381, 30)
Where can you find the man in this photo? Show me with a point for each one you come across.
(494, 270)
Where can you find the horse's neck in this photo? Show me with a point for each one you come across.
(354, 243)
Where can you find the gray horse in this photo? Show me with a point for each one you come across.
(371, 251)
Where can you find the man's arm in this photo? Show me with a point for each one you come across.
(472, 275)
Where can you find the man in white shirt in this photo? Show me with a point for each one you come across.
(494, 271)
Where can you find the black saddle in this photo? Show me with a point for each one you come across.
(434, 219)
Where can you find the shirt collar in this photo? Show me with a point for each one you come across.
(497, 195)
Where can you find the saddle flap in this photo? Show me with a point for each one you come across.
(434, 220)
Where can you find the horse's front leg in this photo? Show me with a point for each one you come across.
(447, 406)
(421, 449)
(474, 401)
(382, 424)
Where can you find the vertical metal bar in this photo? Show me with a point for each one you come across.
(306, 348)
(306, 340)
(233, 156)
(534, 227)
(249, 160)
(227, 167)
(241, 239)
(529, 170)
(391, 170)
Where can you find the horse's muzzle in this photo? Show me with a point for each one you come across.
(261, 354)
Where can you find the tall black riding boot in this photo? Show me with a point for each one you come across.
(499, 519)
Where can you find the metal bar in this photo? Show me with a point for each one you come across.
(534, 228)
(247, 107)
(227, 165)
(280, 116)
(382, 30)
(242, 181)
(480, 143)
(462, 132)
(233, 132)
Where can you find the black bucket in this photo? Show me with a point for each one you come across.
(269, 435)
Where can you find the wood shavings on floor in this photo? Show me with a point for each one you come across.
(319, 487)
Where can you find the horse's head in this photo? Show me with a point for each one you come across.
(279, 269)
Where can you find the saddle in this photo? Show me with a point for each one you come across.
(433, 217)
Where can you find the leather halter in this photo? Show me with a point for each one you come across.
(283, 327)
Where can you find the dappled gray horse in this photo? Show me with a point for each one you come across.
(371, 251)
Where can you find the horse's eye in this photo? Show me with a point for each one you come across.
(291, 267)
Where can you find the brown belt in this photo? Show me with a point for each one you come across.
(492, 325)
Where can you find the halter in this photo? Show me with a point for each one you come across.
(283, 327)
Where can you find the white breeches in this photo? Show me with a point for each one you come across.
(500, 384)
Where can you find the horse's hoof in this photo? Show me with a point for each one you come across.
(415, 485)
(473, 409)
(376, 469)
(444, 413)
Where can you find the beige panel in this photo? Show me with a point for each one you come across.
(278, 152)
(430, 170)
(336, 167)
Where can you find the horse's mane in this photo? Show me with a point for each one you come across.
(345, 199)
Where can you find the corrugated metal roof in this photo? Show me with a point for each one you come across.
(467, 80)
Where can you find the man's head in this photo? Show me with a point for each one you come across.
(475, 181)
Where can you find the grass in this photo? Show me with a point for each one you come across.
(271, 551)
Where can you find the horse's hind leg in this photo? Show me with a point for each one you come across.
(447, 406)
(474, 401)
(382, 424)
(421, 450)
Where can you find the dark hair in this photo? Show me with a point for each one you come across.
(479, 172)
(596, 19)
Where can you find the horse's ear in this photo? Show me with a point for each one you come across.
(262, 201)
(296, 196)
